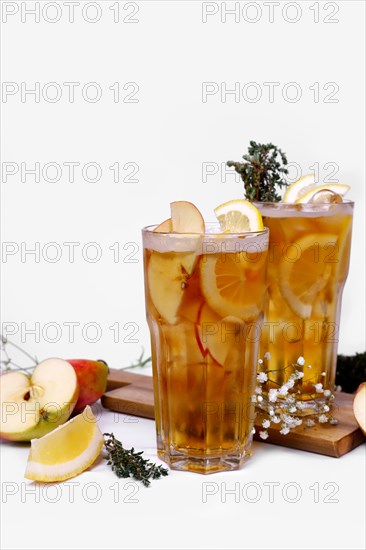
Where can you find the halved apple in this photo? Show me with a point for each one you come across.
(32, 406)
(359, 406)
(186, 218)
(92, 378)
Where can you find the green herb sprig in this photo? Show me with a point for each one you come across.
(128, 463)
(262, 172)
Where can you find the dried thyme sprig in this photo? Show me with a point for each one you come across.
(128, 463)
(7, 363)
(140, 362)
(263, 172)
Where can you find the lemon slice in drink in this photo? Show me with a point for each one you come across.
(239, 216)
(67, 451)
(301, 280)
(232, 286)
(333, 190)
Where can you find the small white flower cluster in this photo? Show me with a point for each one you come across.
(281, 404)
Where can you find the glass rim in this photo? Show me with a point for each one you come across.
(149, 229)
(303, 205)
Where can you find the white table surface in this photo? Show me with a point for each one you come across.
(96, 510)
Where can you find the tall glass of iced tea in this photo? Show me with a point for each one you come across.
(204, 302)
(307, 268)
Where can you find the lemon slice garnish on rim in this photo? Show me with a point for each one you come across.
(66, 451)
(334, 188)
(303, 189)
(299, 187)
(239, 216)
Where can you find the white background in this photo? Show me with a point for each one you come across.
(168, 132)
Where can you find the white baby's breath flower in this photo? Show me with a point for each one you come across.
(264, 434)
(272, 395)
(260, 361)
(276, 420)
(324, 373)
(289, 420)
(323, 419)
(253, 399)
(266, 423)
(283, 390)
(326, 408)
(327, 393)
(298, 421)
(267, 356)
(300, 361)
(271, 411)
(258, 390)
(262, 377)
(259, 399)
(309, 367)
(292, 409)
(290, 383)
(299, 374)
(310, 422)
(333, 420)
(318, 387)
(290, 399)
(285, 430)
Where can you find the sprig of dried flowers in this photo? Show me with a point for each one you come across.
(283, 406)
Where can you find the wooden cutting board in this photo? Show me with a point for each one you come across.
(131, 393)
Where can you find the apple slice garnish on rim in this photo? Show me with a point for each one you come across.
(164, 227)
(186, 218)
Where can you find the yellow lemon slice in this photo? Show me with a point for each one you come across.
(299, 187)
(334, 188)
(239, 216)
(67, 451)
(302, 279)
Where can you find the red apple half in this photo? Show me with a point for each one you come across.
(359, 406)
(92, 379)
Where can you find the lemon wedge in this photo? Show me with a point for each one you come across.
(239, 216)
(302, 280)
(299, 187)
(332, 189)
(67, 451)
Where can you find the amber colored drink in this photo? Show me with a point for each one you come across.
(307, 268)
(204, 304)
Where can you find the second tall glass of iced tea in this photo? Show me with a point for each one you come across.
(307, 268)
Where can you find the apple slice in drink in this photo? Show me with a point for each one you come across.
(32, 406)
(168, 272)
(218, 336)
